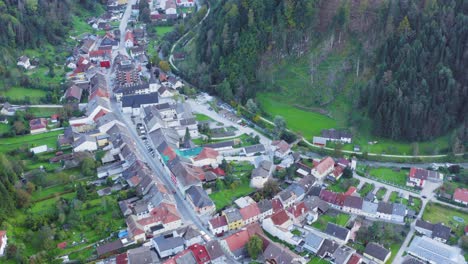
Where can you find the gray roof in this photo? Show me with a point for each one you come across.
(254, 148)
(109, 247)
(399, 209)
(263, 170)
(219, 145)
(377, 251)
(265, 205)
(385, 208)
(280, 254)
(97, 101)
(167, 135)
(314, 202)
(337, 231)
(342, 254)
(168, 243)
(328, 248)
(335, 134)
(441, 231)
(141, 255)
(353, 202)
(369, 207)
(313, 241)
(434, 251)
(214, 250)
(186, 258)
(199, 197)
(136, 100)
(233, 215)
(411, 260)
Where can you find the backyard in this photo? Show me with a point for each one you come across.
(163, 30)
(390, 175)
(339, 219)
(17, 93)
(365, 189)
(436, 213)
(43, 112)
(228, 194)
(49, 139)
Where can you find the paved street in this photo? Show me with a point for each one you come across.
(161, 171)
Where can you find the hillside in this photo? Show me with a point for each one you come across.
(328, 58)
(39, 29)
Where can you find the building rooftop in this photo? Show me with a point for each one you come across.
(434, 251)
(337, 231)
(377, 251)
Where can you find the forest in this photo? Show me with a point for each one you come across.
(415, 54)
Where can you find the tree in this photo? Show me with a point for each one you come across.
(254, 246)
(164, 65)
(251, 106)
(80, 192)
(270, 188)
(187, 134)
(19, 127)
(464, 242)
(347, 173)
(280, 126)
(22, 198)
(88, 167)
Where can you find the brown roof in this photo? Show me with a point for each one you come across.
(353, 202)
(324, 165)
(250, 211)
(218, 221)
(280, 217)
(461, 194)
(207, 153)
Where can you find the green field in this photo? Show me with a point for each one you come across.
(436, 213)
(163, 30)
(49, 139)
(390, 175)
(309, 124)
(19, 93)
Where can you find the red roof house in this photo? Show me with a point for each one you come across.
(62, 245)
(38, 125)
(279, 218)
(323, 168)
(206, 157)
(461, 196)
(250, 213)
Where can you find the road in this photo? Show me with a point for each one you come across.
(171, 57)
(203, 108)
(155, 164)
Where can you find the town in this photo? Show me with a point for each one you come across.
(190, 180)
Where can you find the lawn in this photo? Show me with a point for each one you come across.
(381, 193)
(202, 117)
(394, 248)
(343, 184)
(365, 189)
(390, 175)
(47, 192)
(309, 124)
(393, 197)
(340, 219)
(19, 93)
(163, 30)
(43, 112)
(226, 196)
(317, 260)
(4, 128)
(49, 139)
(436, 213)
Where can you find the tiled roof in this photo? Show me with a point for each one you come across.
(280, 217)
(249, 211)
(207, 153)
(218, 221)
(353, 202)
(377, 251)
(461, 194)
(237, 240)
(324, 165)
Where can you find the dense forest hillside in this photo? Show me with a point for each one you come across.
(399, 64)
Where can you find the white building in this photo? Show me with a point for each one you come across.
(3, 242)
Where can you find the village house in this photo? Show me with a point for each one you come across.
(24, 62)
(313, 242)
(277, 253)
(207, 156)
(169, 246)
(200, 201)
(353, 204)
(432, 251)
(377, 253)
(280, 148)
(234, 218)
(280, 225)
(438, 231)
(7, 110)
(85, 143)
(250, 213)
(266, 208)
(261, 174)
(337, 135)
(323, 168)
(253, 150)
(461, 196)
(298, 213)
(234, 244)
(38, 125)
(418, 176)
(337, 232)
(218, 225)
(132, 104)
(186, 3)
(385, 210)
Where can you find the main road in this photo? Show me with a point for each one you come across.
(161, 171)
